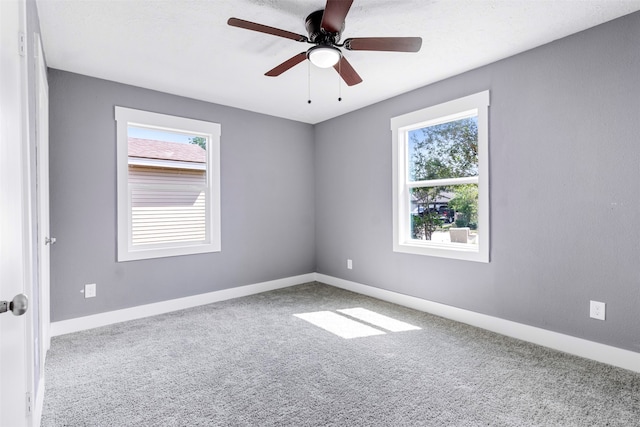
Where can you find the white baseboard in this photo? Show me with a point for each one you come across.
(103, 319)
(577, 346)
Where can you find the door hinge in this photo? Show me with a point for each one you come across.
(29, 403)
(22, 48)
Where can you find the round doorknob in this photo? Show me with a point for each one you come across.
(19, 305)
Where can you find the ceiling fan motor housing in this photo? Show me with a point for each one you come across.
(316, 33)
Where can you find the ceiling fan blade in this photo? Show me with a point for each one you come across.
(346, 71)
(334, 13)
(241, 23)
(391, 44)
(289, 63)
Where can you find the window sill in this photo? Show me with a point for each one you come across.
(149, 253)
(459, 251)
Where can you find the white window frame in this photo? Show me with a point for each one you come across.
(400, 127)
(126, 117)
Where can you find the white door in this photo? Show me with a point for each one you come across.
(16, 357)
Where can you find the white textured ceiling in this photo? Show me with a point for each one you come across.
(185, 47)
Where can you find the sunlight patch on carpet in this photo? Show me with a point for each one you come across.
(339, 325)
(380, 320)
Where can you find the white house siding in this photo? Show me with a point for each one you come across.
(168, 205)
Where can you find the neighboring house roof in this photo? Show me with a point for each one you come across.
(443, 197)
(151, 149)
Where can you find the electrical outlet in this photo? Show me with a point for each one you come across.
(596, 310)
(90, 290)
(349, 264)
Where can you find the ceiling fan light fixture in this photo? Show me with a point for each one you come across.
(324, 56)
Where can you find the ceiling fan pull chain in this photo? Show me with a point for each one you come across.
(339, 80)
(309, 82)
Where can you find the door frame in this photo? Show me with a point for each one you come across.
(43, 225)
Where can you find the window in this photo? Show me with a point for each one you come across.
(168, 185)
(440, 180)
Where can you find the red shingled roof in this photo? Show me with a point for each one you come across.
(150, 149)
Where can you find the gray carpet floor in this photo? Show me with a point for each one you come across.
(251, 362)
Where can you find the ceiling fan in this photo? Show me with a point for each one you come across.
(325, 28)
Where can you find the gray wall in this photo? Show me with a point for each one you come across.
(565, 190)
(267, 198)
